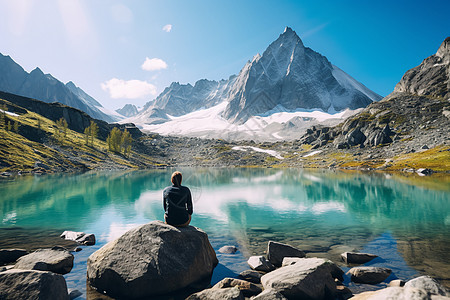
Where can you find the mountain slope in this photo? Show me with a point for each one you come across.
(14, 79)
(288, 78)
(394, 132)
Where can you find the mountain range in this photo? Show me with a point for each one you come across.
(44, 87)
(287, 83)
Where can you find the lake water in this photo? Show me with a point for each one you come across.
(404, 220)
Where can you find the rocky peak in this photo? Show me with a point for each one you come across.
(444, 50)
(431, 77)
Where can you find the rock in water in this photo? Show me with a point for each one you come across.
(310, 278)
(57, 260)
(228, 249)
(11, 255)
(370, 275)
(152, 259)
(29, 284)
(357, 258)
(277, 251)
(79, 237)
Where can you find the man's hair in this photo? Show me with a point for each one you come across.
(176, 178)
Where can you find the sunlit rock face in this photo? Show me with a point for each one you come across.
(431, 77)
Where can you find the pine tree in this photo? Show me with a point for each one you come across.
(16, 127)
(9, 127)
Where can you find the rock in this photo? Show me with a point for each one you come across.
(11, 255)
(425, 147)
(428, 284)
(370, 275)
(56, 260)
(248, 289)
(355, 137)
(251, 275)
(357, 258)
(397, 283)
(29, 284)
(423, 171)
(277, 251)
(309, 278)
(260, 263)
(269, 294)
(152, 259)
(74, 294)
(287, 261)
(393, 293)
(228, 249)
(221, 294)
(79, 237)
(77, 249)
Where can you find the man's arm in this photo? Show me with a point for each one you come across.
(189, 203)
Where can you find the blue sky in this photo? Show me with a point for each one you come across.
(128, 51)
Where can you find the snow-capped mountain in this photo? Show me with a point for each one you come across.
(128, 110)
(14, 79)
(289, 79)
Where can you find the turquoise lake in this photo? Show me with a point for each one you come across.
(404, 220)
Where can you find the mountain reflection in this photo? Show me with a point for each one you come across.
(318, 211)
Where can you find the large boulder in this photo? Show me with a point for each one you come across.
(309, 278)
(56, 260)
(152, 259)
(428, 284)
(370, 275)
(11, 255)
(277, 251)
(29, 284)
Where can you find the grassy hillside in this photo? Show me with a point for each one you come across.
(34, 148)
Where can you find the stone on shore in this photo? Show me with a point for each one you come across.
(394, 293)
(30, 284)
(56, 260)
(269, 294)
(370, 275)
(247, 288)
(152, 259)
(309, 278)
(218, 294)
(260, 263)
(428, 284)
(11, 255)
(277, 251)
(357, 258)
(228, 249)
(251, 275)
(79, 237)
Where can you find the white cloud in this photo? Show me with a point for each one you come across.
(121, 13)
(167, 28)
(129, 89)
(153, 64)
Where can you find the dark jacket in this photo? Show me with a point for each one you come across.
(177, 201)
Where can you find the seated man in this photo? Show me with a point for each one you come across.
(177, 202)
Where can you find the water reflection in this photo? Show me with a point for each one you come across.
(321, 212)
